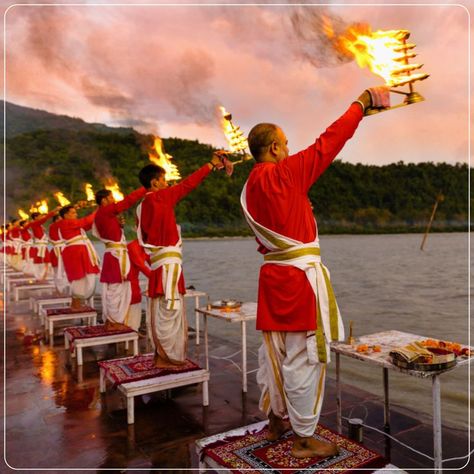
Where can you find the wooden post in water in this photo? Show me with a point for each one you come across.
(439, 198)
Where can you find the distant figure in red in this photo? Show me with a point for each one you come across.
(81, 262)
(116, 288)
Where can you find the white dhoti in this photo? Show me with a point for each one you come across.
(133, 318)
(291, 380)
(169, 329)
(83, 288)
(116, 299)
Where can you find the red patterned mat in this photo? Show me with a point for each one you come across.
(141, 367)
(69, 310)
(85, 332)
(252, 453)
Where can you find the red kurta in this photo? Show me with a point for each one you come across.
(13, 234)
(77, 263)
(277, 198)
(138, 263)
(109, 228)
(53, 232)
(26, 237)
(158, 222)
(38, 233)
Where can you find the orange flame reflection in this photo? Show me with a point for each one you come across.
(158, 156)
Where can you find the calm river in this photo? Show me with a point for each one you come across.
(382, 282)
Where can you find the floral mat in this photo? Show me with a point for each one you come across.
(141, 367)
(85, 332)
(69, 310)
(251, 453)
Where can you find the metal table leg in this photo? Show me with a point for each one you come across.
(196, 318)
(437, 446)
(338, 393)
(244, 356)
(386, 413)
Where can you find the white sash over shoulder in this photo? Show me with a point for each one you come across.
(41, 245)
(170, 258)
(82, 239)
(116, 249)
(305, 256)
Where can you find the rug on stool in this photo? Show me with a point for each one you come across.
(252, 451)
(141, 367)
(85, 332)
(69, 310)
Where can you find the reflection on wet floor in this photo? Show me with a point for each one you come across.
(57, 418)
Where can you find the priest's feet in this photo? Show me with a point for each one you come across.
(277, 427)
(310, 447)
(161, 363)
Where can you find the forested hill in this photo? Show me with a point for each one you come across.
(347, 198)
(24, 119)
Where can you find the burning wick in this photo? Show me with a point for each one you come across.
(387, 54)
(235, 137)
(63, 201)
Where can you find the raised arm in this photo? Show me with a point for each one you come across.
(307, 165)
(128, 201)
(82, 223)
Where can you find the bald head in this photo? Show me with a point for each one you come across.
(267, 142)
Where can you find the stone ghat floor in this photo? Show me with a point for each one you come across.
(55, 422)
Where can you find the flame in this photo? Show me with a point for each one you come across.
(23, 215)
(63, 201)
(114, 187)
(34, 208)
(235, 138)
(158, 156)
(43, 207)
(89, 192)
(385, 53)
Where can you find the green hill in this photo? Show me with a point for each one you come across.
(24, 119)
(347, 198)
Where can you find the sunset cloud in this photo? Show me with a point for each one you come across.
(164, 69)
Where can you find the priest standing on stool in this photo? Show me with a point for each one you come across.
(116, 288)
(80, 259)
(297, 309)
(161, 237)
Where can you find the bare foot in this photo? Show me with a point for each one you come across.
(113, 326)
(276, 427)
(308, 447)
(76, 303)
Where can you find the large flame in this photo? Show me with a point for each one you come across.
(23, 215)
(158, 156)
(89, 192)
(63, 201)
(385, 53)
(113, 186)
(235, 138)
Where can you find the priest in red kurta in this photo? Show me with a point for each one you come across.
(79, 256)
(160, 236)
(296, 305)
(139, 263)
(26, 242)
(116, 288)
(59, 274)
(39, 252)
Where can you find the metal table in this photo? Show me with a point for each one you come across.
(196, 294)
(247, 312)
(389, 340)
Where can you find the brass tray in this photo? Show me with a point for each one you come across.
(227, 304)
(442, 360)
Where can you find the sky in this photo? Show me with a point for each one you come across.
(165, 69)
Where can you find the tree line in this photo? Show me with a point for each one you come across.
(348, 198)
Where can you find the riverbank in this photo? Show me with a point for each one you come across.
(54, 421)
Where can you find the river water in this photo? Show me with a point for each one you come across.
(382, 282)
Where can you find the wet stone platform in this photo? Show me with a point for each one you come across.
(57, 419)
